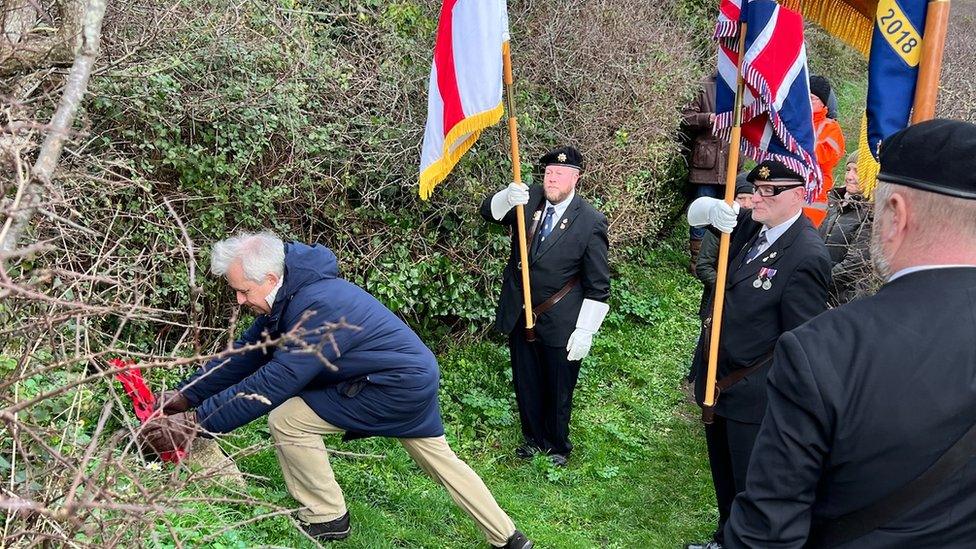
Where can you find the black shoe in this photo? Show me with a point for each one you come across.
(560, 460)
(327, 531)
(518, 541)
(526, 451)
(705, 545)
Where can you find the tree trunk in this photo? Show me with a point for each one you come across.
(28, 197)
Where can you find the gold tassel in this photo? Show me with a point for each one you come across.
(839, 18)
(867, 166)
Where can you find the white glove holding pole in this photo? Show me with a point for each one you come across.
(590, 318)
(516, 194)
(715, 212)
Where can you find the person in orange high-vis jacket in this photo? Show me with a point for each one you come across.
(830, 146)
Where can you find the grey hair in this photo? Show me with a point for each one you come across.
(259, 253)
(938, 218)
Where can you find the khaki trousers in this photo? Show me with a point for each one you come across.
(297, 431)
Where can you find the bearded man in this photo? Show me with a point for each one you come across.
(570, 282)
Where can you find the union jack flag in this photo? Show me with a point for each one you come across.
(777, 118)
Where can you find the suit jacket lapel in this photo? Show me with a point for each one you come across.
(771, 255)
(559, 228)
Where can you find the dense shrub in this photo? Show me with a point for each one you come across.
(308, 121)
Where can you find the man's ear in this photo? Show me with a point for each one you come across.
(899, 208)
(272, 278)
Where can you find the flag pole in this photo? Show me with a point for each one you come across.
(708, 405)
(517, 177)
(930, 66)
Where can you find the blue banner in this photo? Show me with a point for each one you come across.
(896, 47)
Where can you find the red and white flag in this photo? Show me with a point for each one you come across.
(465, 90)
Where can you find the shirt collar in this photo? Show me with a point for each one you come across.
(561, 207)
(270, 298)
(773, 233)
(917, 268)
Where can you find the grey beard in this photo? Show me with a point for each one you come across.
(880, 262)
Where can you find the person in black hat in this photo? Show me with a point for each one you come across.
(869, 442)
(778, 276)
(570, 283)
(830, 145)
(847, 234)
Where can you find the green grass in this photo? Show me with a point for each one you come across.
(638, 477)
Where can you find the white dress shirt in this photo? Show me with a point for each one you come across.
(917, 268)
(773, 233)
(270, 298)
(560, 208)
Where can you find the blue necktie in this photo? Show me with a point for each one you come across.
(546, 226)
(754, 251)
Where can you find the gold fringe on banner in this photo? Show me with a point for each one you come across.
(851, 21)
(867, 166)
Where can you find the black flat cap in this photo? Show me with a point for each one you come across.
(773, 171)
(937, 156)
(562, 156)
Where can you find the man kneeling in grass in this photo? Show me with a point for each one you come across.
(344, 364)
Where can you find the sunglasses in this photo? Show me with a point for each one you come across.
(767, 191)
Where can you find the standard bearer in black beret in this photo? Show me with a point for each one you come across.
(778, 278)
(570, 282)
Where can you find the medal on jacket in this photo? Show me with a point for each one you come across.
(764, 280)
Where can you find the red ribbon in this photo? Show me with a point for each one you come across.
(142, 399)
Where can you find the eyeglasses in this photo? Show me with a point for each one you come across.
(767, 191)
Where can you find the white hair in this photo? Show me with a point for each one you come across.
(259, 253)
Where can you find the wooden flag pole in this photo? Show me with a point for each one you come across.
(708, 405)
(930, 66)
(517, 177)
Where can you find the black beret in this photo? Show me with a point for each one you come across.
(938, 156)
(742, 184)
(774, 172)
(562, 156)
(820, 87)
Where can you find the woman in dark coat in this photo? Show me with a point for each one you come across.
(847, 233)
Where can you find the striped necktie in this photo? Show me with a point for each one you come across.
(754, 250)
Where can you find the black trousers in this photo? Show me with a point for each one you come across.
(729, 447)
(544, 383)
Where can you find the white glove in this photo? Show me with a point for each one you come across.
(712, 211)
(516, 194)
(590, 318)
(579, 344)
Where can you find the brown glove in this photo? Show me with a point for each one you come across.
(169, 433)
(171, 402)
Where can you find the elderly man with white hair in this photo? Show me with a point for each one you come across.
(347, 365)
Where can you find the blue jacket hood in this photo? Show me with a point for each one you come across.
(306, 264)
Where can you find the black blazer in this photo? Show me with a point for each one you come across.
(862, 400)
(755, 317)
(577, 246)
